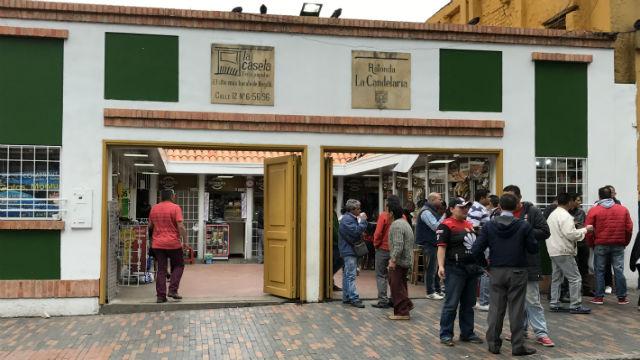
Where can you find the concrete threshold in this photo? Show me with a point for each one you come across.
(131, 307)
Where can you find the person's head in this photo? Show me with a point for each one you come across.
(605, 192)
(434, 199)
(392, 200)
(513, 190)
(396, 210)
(410, 206)
(578, 200)
(567, 200)
(482, 196)
(353, 206)
(167, 195)
(508, 202)
(495, 201)
(613, 191)
(458, 208)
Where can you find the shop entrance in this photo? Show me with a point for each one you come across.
(241, 209)
(370, 175)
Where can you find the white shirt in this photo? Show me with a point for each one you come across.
(564, 235)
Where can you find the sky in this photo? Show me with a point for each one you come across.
(398, 10)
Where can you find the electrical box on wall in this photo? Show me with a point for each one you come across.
(81, 209)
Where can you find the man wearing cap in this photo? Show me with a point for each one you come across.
(456, 264)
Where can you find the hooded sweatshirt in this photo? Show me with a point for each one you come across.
(508, 239)
(611, 222)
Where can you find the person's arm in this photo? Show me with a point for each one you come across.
(378, 235)
(540, 227)
(180, 224)
(590, 220)
(396, 245)
(531, 244)
(481, 244)
(430, 220)
(568, 229)
(628, 227)
(444, 234)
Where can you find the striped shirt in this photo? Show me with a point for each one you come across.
(478, 214)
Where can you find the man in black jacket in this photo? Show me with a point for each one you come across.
(534, 312)
(509, 240)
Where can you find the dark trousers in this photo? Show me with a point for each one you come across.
(582, 259)
(337, 261)
(382, 274)
(431, 279)
(177, 267)
(460, 289)
(508, 287)
(399, 293)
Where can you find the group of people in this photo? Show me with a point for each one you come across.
(491, 247)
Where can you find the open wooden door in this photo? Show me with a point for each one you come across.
(281, 226)
(328, 230)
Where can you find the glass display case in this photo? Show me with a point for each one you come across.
(217, 238)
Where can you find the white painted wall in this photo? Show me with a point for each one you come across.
(48, 307)
(313, 77)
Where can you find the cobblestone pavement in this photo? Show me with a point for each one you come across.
(311, 331)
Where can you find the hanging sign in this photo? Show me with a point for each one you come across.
(242, 74)
(380, 80)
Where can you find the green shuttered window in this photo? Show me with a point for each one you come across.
(29, 255)
(470, 80)
(561, 109)
(141, 67)
(31, 90)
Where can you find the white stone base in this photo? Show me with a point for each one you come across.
(48, 307)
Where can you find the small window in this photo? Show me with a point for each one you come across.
(29, 182)
(555, 175)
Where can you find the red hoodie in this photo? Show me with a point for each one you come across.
(612, 225)
(381, 235)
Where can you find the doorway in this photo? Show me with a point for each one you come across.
(228, 195)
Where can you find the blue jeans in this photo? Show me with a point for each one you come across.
(534, 312)
(602, 252)
(484, 289)
(460, 291)
(431, 269)
(349, 293)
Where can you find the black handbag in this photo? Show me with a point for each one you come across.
(360, 248)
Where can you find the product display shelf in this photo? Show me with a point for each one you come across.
(217, 237)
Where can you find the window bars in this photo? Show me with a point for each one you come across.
(555, 175)
(30, 182)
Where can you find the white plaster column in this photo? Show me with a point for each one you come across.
(201, 219)
(248, 229)
(393, 183)
(380, 192)
(313, 225)
(153, 190)
(339, 195)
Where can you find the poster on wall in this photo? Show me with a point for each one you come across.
(242, 74)
(380, 80)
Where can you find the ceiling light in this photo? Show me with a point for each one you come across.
(310, 9)
(150, 173)
(143, 164)
(441, 161)
(135, 155)
(402, 177)
(225, 176)
(370, 175)
(547, 161)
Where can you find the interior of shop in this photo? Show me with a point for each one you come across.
(222, 193)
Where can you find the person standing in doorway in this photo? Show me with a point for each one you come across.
(458, 268)
(169, 234)
(509, 240)
(337, 260)
(562, 246)
(260, 233)
(534, 312)
(400, 250)
(612, 233)
(352, 226)
(426, 226)
(479, 215)
(381, 243)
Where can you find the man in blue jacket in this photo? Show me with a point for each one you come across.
(426, 225)
(509, 240)
(352, 225)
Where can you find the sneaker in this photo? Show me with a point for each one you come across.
(447, 341)
(524, 352)
(161, 300)
(399, 317)
(358, 304)
(381, 305)
(441, 293)
(434, 296)
(175, 296)
(580, 310)
(545, 341)
(484, 308)
(597, 300)
(558, 308)
(608, 290)
(474, 339)
(623, 300)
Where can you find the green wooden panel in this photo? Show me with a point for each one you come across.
(561, 109)
(470, 80)
(141, 67)
(31, 91)
(29, 255)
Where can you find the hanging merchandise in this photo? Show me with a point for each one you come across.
(124, 204)
(217, 240)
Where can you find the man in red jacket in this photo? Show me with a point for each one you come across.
(381, 243)
(612, 233)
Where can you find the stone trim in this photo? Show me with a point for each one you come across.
(538, 56)
(33, 32)
(31, 225)
(301, 123)
(91, 13)
(41, 289)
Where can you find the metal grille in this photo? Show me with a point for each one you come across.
(254, 240)
(133, 255)
(555, 175)
(188, 201)
(30, 182)
(112, 270)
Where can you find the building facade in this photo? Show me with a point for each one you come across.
(83, 80)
